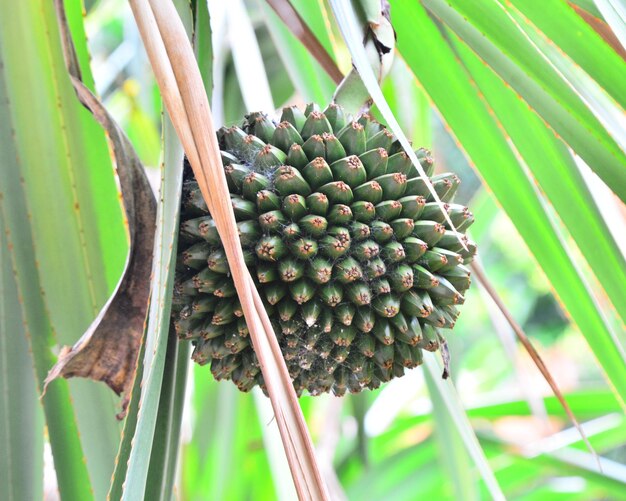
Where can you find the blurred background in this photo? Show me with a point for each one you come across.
(400, 442)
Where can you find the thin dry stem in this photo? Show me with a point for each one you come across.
(179, 80)
(289, 15)
(534, 354)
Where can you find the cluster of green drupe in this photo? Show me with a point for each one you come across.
(357, 264)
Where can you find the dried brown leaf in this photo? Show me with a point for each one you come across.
(108, 350)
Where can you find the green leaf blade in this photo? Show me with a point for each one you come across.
(72, 221)
(482, 139)
(559, 23)
(158, 322)
(21, 423)
(72, 474)
(559, 178)
(487, 29)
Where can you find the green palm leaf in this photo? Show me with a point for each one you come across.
(481, 136)
(496, 38)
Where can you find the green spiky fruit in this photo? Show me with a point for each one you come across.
(352, 256)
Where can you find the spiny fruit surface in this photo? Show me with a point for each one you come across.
(353, 258)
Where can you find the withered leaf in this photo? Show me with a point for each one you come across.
(108, 350)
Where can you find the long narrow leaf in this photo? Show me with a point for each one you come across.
(72, 476)
(72, 223)
(487, 29)
(566, 30)
(165, 447)
(599, 96)
(165, 444)
(143, 462)
(559, 177)
(471, 122)
(73, 203)
(21, 423)
(157, 324)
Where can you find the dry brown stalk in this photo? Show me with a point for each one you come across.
(179, 80)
